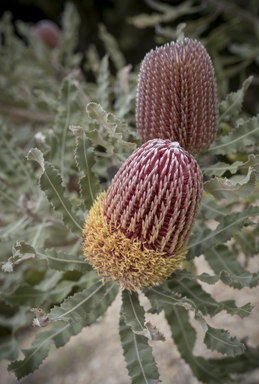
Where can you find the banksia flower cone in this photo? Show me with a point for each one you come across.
(136, 233)
(48, 32)
(177, 96)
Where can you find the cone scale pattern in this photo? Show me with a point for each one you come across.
(136, 233)
(177, 96)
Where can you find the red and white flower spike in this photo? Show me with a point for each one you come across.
(177, 96)
(136, 233)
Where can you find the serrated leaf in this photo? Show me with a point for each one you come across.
(231, 190)
(253, 161)
(202, 301)
(220, 168)
(51, 184)
(233, 104)
(138, 356)
(245, 134)
(20, 250)
(112, 47)
(60, 334)
(219, 340)
(78, 306)
(132, 311)
(230, 224)
(36, 155)
(220, 259)
(189, 294)
(97, 139)
(199, 302)
(184, 336)
(85, 159)
(28, 295)
(62, 261)
(70, 112)
(204, 277)
(246, 362)
(109, 122)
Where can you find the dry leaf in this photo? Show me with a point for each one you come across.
(42, 320)
(151, 332)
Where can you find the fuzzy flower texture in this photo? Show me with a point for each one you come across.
(177, 96)
(136, 232)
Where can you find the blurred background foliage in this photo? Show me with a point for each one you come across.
(97, 60)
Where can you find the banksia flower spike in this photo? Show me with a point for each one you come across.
(136, 233)
(48, 32)
(177, 96)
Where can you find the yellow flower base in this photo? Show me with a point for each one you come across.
(127, 262)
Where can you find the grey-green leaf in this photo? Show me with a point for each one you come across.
(62, 261)
(221, 259)
(230, 189)
(51, 184)
(138, 356)
(85, 159)
(59, 335)
(219, 340)
(230, 224)
(132, 311)
(220, 168)
(245, 134)
(233, 104)
(78, 306)
(184, 336)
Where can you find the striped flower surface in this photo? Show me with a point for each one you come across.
(177, 96)
(136, 232)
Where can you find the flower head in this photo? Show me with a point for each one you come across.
(136, 233)
(48, 32)
(177, 96)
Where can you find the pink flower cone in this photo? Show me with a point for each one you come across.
(136, 233)
(177, 96)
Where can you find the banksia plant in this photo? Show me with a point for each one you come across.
(59, 226)
(136, 233)
(177, 96)
(48, 32)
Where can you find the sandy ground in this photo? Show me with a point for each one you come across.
(95, 355)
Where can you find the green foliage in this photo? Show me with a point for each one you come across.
(74, 130)
(138, 354)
